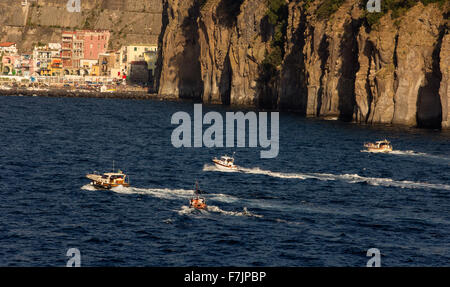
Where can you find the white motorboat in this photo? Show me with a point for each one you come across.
(379, 146)
(225, 162)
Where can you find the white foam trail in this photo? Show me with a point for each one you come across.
(350, 178)
(355, 178)
(211, 167)
(165, 193)
(421, 154)
(211, 208)
(244, 212)
(416, 154)
(89, 187)
(185, 210)
(257, 170)
(223, 197)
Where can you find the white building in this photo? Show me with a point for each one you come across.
(43, 55)
(8, 48)
(134, 53)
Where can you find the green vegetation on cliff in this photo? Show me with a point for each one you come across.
(328, 7)
(277, 17)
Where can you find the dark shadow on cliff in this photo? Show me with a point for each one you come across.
(266, 86)
(190, 82)
(293, 90)
(324, 53)
(159, 61)
(368, 52)
(268, 74)
(225, 82)
(429, 109)
(350, 65)
(227, 12)
(273, 27)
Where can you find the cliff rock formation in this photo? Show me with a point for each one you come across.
(212, 50)
(179, 51)
(336, 63)
(445, 87)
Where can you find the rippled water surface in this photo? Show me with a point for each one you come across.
(321, 202)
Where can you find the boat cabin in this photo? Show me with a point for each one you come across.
(383, 143)
(227, 159)
(117, 178)
(108, 180)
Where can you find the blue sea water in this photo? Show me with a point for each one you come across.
(321, 202)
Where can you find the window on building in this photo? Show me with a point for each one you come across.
(135, 49)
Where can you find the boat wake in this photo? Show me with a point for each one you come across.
(186, 210)
(349, 178)
(211, 167)
(416, 154)
(88, 187)
(421, 154)
(165, 193)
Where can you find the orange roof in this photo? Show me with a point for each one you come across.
(7, 44)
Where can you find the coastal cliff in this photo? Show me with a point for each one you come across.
(320, 58)
(325, 58)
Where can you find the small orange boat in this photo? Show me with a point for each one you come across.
(197, 202)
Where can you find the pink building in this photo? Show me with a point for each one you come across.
(9, 64)
(95, 43)
(83, 45)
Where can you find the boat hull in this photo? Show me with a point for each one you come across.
(222, 166)
(379, 150)
(104, 186)
(98, 182)
(198, 204)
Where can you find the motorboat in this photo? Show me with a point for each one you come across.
(225, 162)
(379, 146)
(108, 180)
(198, 202)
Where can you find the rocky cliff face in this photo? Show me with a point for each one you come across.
(130, 21)
(212, 50)
(328, 57)
(179, 67)
(444, 90)
(222, 51)
(395, 71)
(404, 81)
